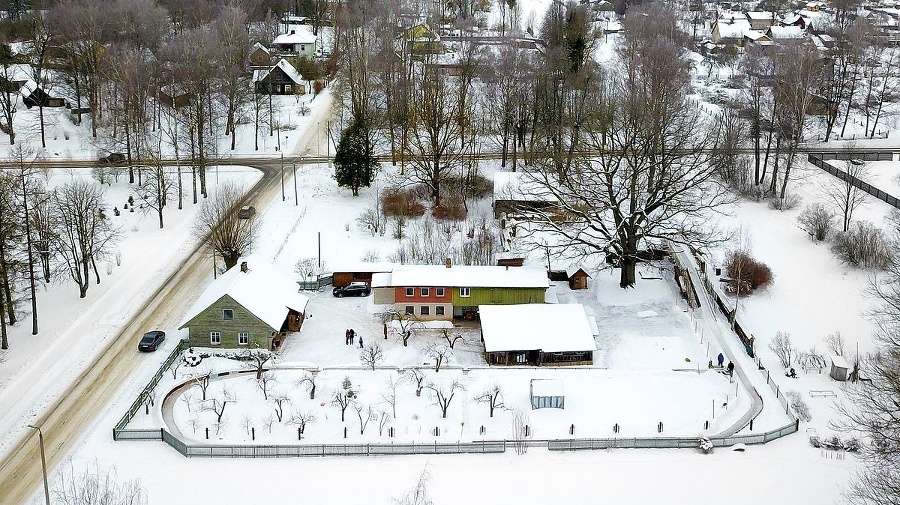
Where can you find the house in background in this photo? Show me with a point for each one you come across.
(574, 275)
(249, 305)
(280, 79)
(730, 30)
(519, 193)
(435, 292)
(359, 272)
(761, 20)
(421, 40)
(537, 334)
(260, 57)
(298, 42)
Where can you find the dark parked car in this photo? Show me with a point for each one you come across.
(247, 211)
(112, 159)
(151, 340)
(352, 289)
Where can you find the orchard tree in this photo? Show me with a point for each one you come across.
(354, 159)
(343, 397)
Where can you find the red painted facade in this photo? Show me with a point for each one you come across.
(401, 298)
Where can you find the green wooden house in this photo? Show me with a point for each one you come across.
(245, 307)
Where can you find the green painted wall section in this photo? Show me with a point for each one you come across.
(499, 296)
(212, 319)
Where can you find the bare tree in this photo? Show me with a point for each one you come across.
(301, 419)
(417, 377)
(390, 395)
(371, 356)
(221, 226)
(257, 359)
(342, 398)
(263, 382)
(96, 485)
(442, 395)
(202, 382)
(419, 493)
(309, 381)
(439, 353)
(83, 234)
(835, 343)
(783, 348)
(173, 368)
(365, 413)
(156, 185)
(844, 196)
(218, 407)
(451, 338)
(519, 427)
(8, 98)
(407, 325)
(493, 397)
(280, 399)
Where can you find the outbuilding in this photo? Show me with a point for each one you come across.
(536, 334)
(547, 393)
(839, 369)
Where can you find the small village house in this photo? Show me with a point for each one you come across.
(421, 40)
(280, 79)
(359, 272)
(250, 305)
(260, 57)
(298, 42)
(435, 292)
(537, 334)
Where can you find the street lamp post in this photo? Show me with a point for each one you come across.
(43, 463)
(282, 175)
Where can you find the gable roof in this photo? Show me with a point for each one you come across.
(546, 326)
(285, 66)
(257, 46)
(469, 276)
(731, 29)
(264, 291)
(295, 37)
(786, 32)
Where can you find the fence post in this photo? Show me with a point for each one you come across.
(572, 429)
(207, 433)
(298, 433)
(751, 425)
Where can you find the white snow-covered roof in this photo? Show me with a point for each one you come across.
(547, 387)
(572, 269)
(517, 186)
(787, 32)
(732, 30)
(257, 45)
(548, 327)
(760, 15)
(284, 65)
(264, 291)
(297, 37)
(755, 35)
(469, 276)
(381, 280)
(366, 267)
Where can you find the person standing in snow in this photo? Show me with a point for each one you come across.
(721, 359)
(352, 334)
(730, 368)
(347, 336)
(360, 342)
(385, 330)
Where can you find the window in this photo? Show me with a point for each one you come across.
(410, 291)
(228, 314)
(410, 310)
(439, 310)
(302, 48)
(215, 338)
(424, 310)
(425, 291)
(464, 292)
(243, 338)
(439, 292)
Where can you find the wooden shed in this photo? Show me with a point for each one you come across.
(359, 272)
(577, 277)
(840, 371)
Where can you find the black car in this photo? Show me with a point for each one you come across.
(352, 289)
(151, 340)
(112, 159)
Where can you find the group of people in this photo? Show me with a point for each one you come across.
(730, 368)
(350, 336)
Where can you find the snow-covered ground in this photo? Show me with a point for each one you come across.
(640, 343)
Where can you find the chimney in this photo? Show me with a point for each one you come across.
(448, 263)
(244, 266)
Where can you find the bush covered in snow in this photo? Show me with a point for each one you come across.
(799, 406)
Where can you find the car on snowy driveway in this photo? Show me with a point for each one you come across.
(112, 159)
(352, 289)
(151, 341)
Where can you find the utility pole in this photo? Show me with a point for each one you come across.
(43, 463)
(320, 250)
(282, 174)
(296, 201)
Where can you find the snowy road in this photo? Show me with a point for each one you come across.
(65, 420)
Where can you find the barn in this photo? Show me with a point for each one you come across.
(537, 334)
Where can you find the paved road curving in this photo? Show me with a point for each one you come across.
(64, 421)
